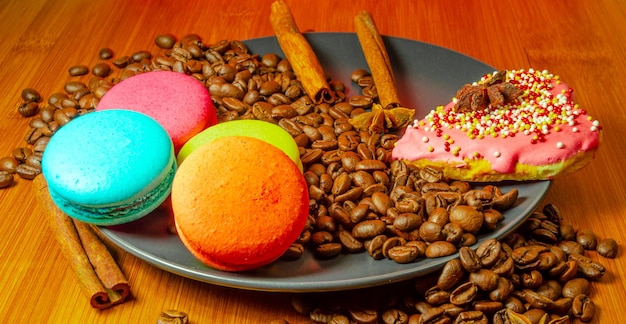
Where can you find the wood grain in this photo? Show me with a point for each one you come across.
(582, 41)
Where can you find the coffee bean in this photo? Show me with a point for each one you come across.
(489, 252)
(532, 279)
(278, 99)
(328, 250)
(434, 315)
(502, 290)
(370, 165)
(374, 246)
(358, 74)
(394, 316)
(78, 70)
(474, 317)
(571, 247)
(294, 252)
(468, 217)
(431, 232)
(64, 115)
(31, 95)
(165, 41)
(607, 248)
(28, 109)
(392, 242)
(404, 254)
(55, 102)
(587, 267)
(21, 153)
(363, 314)
(583, 308)
(122, 62)
(382, 202)
(576, 286)
(535, 299)
(88, 101)
(34, 160)
(9, 164)
(350, 243)
(440, 249)
(105, 53)
(527, 255)
(141, 55)
(504, 265)
(349, 141)
(74, 86)
(587, 238)
(464, 294)
(101, 70)
(436, 297)
(567, 231)
(338, 319)
(6, 179)
(535, 315)
(451, 274)
(33, 135)
(27, 171)
(368, 229)
(407, 221)
(101, 90)
(485, 279)
(469, 259)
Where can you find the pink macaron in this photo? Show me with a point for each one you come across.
(179, 102)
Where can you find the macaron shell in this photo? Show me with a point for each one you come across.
(180, 103)
(266, 131)
(97, 165)
(239, 203)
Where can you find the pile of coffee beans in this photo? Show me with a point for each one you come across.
(539, 274)
(360, 200)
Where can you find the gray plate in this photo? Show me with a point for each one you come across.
(427, 76)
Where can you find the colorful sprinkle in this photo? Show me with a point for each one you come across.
(536, 113)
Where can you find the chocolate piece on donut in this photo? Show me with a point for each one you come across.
(534, 132)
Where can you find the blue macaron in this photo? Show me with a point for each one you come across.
(109, 167)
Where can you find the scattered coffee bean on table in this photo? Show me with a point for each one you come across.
(78, 70)
(6, 179)
(101, 70)
(31, 95)
(105, 53)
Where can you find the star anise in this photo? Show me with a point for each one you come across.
(380, 119)
(496, 91)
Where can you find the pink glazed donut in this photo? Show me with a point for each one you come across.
(180, 103)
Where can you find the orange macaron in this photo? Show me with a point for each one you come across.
(239, 203)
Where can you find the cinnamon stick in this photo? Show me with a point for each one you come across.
(104, 265)
(300, 54)
(377, 59)
(101, 279)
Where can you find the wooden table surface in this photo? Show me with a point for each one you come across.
(582, 41)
